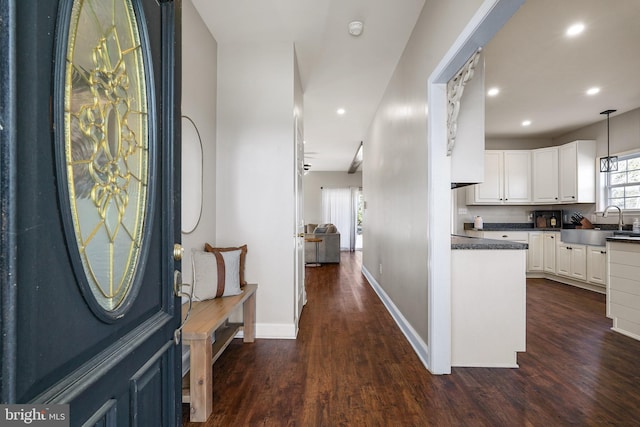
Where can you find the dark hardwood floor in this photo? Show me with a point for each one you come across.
(351, 366)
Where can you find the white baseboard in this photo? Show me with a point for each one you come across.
(418, 344)
(282, 331)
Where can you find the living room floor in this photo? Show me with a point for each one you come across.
(351, 365)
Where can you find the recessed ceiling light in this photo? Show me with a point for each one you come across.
(526, 123)
(593, 90)
(341, 111)
(493, 91)
(575, 29)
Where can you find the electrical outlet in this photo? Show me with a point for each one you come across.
(463, 211)
(380, 268)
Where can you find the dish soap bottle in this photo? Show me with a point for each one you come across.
(636, 226)
(552, 221)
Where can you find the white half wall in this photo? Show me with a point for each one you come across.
(199, 86)
(255, 171)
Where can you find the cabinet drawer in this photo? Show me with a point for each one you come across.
(514, 236)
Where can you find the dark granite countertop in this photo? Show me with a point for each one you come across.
(466, 242)
(624, 239)
(528, 226)
(508, 226)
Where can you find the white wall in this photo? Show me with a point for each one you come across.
(395, 176)
(313, 181)
(624, 130)
(255, 172)
(199, 59)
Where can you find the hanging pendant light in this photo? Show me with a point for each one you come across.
(609, 163)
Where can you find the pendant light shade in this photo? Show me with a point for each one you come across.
(609, 163)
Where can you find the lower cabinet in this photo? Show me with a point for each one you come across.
(597, 264)
(571, 260)
(535, 256)
(549, 256)
(549, 251)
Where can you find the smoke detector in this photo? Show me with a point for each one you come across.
(355, 28)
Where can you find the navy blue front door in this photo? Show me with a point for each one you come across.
(89, 208)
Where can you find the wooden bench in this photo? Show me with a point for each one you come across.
(206, 318)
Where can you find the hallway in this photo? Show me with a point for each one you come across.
(352, 366)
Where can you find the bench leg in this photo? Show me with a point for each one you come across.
(201, 377)
(249, 318)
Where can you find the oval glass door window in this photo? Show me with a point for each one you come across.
(191, 176)
(106, 145)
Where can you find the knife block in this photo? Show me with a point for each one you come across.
(584, 223)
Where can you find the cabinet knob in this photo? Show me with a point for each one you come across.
(553, 237)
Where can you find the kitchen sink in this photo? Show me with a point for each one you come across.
(592, 237)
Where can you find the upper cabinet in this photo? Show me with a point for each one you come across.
(517, 176)
(577, 172)
(545, 175)
(507, 179)
(552, 175)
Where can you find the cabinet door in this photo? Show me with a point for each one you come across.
(597, 264)
(563, 260)
(535, 254)
(568, 172)
(517, 176)
(490, 191)
(545, 175)
(549, 252)
(578, 262)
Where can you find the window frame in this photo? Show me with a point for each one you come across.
(606, 186)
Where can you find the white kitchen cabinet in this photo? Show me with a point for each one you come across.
(571, 260)
(577, 172)
(535, 255)
(507, 179)
(545, 175)
(550, 239)
(490, 191)
(514, 236)
(597, 264)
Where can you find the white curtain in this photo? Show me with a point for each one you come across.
(339, 207)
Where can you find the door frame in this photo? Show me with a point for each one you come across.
(487, 21)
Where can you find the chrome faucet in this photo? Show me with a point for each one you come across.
(604, 215)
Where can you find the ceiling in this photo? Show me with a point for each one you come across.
(542, 74)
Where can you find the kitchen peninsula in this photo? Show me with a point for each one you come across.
(488, 294)
(623, 285)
